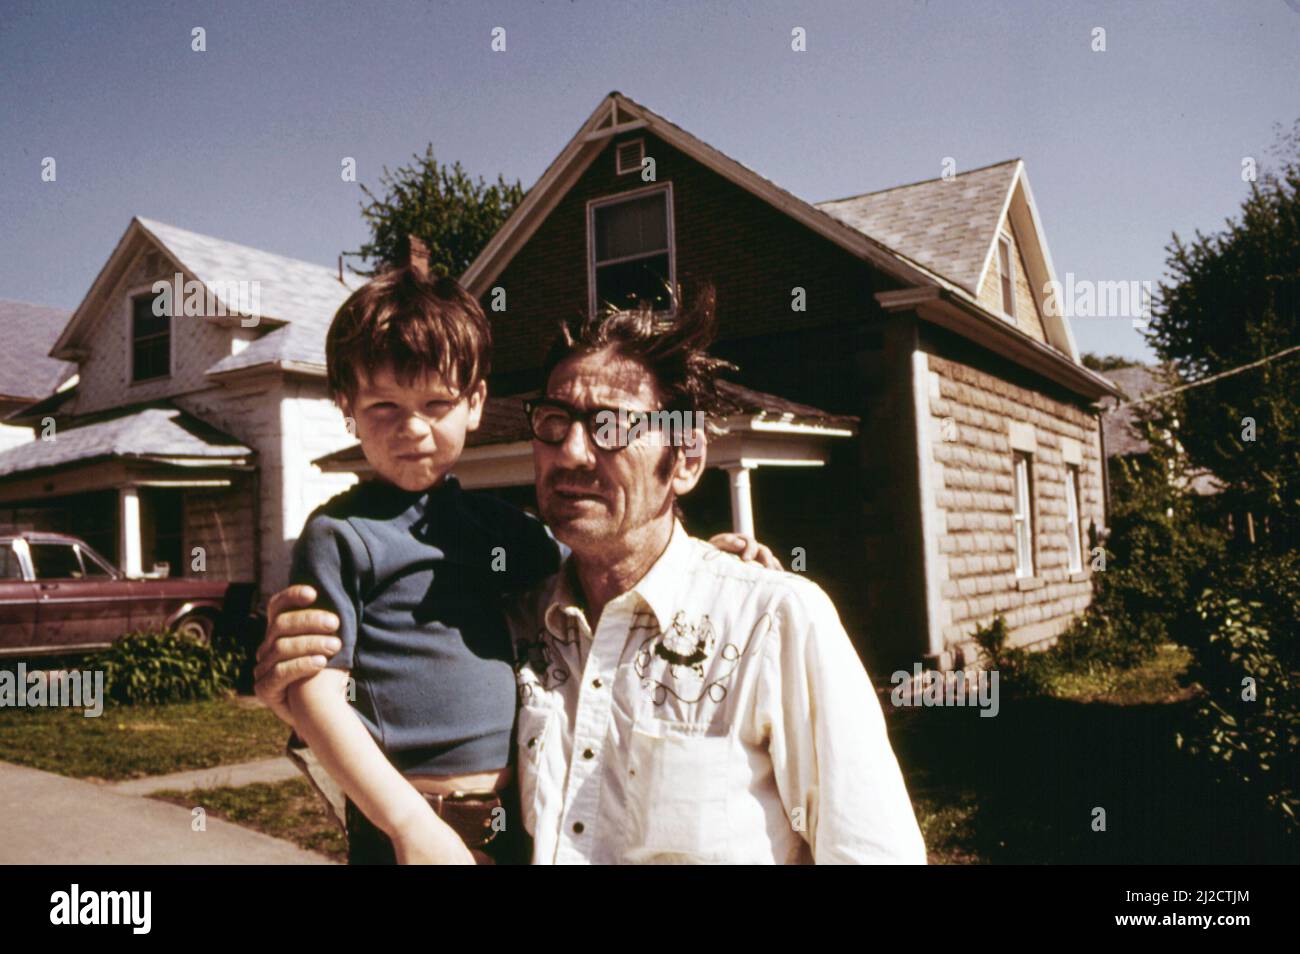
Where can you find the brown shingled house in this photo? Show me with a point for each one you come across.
(913, 430)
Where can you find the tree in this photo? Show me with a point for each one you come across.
(1104, 363)
(1233, 299)
(441, 205)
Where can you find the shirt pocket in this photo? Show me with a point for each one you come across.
(534, 721)
(677, 795)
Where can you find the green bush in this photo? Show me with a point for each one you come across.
(160, 667)
(1243, 640)
(1021, 672)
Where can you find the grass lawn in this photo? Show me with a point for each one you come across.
(132, 741)
(290, 810)
(1022, 787)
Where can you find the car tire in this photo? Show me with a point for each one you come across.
(196, 626)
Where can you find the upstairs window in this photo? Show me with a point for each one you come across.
(1023, 516)
(1006, 267)
(631, 244)
(150, 341)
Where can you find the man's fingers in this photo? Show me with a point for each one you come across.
(766, 557)
(296, 623)
(289, 648)
(291, 597)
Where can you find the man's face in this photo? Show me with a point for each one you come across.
(597, 501)
(413, 435)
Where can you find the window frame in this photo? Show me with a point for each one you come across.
(1073, 518)
(134, 295)
(1024, 547)
(1007, 275)
(630, 195)
(619, 169)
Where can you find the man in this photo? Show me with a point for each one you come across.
(676, 704)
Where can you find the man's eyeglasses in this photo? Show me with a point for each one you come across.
(609, 428)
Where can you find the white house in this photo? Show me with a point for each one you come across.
(185, 440)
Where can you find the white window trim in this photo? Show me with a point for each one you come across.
(1004, 241)
(140, 291)
(594, 204)
(1023, 497)
(1073, 521)
(618, 156)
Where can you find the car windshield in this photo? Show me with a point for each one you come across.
(55, 561)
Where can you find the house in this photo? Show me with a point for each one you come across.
(27, 372)
(185, 440)
(912, 426)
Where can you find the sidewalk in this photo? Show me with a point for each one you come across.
(278, 769)
(50, 819)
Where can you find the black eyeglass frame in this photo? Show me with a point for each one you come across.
(589, 420)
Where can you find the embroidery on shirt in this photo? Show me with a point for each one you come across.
(538, 664)
(685, 646)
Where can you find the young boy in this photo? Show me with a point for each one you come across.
(413, 717)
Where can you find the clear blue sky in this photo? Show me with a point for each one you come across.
(244, 141)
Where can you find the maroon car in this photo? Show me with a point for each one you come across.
(57, 595)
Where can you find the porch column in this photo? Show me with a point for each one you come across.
(742, 505)
(129, 530)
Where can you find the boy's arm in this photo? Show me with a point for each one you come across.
(326, 722)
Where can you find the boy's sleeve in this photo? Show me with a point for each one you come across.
(327, 557)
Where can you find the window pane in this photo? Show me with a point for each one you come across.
(10, 569)
(1072, 519)
(632, 228)
(144, 321)
(1008, 280)
(55, 561)
(626, 284)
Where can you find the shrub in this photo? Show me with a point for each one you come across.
(1021, 672)
(160, 667)
(1243, 640)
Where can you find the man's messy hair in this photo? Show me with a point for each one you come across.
(672, 345)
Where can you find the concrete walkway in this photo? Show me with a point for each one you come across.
(277, 769)
(50, 819)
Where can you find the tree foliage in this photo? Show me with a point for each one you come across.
(1234, 298)
(454, 215)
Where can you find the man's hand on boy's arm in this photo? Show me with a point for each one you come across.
(298, 644)
(747, 548)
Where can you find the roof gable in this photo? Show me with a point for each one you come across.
(287, 290)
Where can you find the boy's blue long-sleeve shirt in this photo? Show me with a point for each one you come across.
(417, 579)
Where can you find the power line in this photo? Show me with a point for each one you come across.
(1210, 380)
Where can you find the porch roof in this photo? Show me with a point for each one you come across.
(504, 421)
(159, 431)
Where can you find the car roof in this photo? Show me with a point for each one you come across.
(39, 536)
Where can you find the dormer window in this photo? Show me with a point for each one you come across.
(631, 242)
(1006, 267)
(150, 341)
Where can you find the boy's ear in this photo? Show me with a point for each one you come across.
(477, 399)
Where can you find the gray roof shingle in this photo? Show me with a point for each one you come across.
(947, 225)
(302, 294)
(154, 431)
(27, 332)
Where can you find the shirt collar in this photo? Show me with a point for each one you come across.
(659, 588)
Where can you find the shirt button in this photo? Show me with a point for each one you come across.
(588, 754)
(596, 683)
(578, 828)
(532, 741)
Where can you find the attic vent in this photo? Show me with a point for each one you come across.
(628, 156)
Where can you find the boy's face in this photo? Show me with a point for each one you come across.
(413, 435)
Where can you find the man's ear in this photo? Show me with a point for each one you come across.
(345, 406)
(689, 461)
(477, 399)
